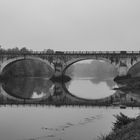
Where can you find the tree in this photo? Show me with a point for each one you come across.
(24, 50)
(16, 49)
(49, 51)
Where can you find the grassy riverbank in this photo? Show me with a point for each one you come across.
(124, 129)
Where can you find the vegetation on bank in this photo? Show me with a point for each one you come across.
(124, 128)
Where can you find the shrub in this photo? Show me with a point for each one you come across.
(121, 120)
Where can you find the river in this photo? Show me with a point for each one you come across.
(49, 122)
(58, 123)
(67, 121)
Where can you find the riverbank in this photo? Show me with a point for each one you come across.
(129, 130)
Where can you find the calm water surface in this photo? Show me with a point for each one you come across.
(28, 88)
(51, 123)
(86, 88)
(37, 88)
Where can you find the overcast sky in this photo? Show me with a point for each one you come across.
(70, 24)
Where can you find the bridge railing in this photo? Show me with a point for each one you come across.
(68, 52)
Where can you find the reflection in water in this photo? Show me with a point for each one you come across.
(85, 88)
(128, 90)
(110, 83)
(28, 88)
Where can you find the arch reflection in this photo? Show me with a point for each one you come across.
(28, 88)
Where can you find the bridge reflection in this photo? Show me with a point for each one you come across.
(41, 91)
(46, 92)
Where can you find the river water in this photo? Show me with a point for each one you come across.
(63, 122)
(54, 123)
(57, 123)
(88, 89)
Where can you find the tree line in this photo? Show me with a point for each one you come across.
(24, 50)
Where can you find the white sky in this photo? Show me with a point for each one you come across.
(70, 24)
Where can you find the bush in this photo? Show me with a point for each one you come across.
(121, 120)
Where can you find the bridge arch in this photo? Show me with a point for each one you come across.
(13, 60)
(134, 70)
(75, 60)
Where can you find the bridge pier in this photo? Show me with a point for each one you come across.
(122, 71)
(125, 65)
(58, 68)
(123, 68)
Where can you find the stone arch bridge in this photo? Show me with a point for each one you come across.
(60, 61)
